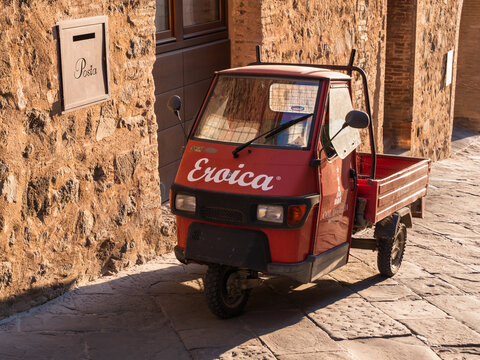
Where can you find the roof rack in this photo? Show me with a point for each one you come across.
(349, 69)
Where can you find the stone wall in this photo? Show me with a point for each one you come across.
(79, 191)
(436, 31)
(245, 30)
(319, 32)
(405, 64)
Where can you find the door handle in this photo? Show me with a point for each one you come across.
(353, 175)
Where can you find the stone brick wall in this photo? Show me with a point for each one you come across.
(436, 31)
(245, 30)
(79, 192)
(467, 106)
(320, 32)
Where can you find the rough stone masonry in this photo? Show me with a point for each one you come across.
(79, 192)
(403, 47)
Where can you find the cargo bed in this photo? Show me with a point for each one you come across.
(399, 182)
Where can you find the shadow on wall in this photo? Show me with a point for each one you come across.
(162, 314)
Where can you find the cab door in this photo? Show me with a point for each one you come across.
(336, 173)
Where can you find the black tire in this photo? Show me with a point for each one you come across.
(390, 252)
(223, 291)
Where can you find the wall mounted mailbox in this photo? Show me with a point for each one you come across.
(84, 62)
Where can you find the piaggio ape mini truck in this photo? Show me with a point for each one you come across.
(270, 181)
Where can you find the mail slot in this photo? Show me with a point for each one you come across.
(84, 62)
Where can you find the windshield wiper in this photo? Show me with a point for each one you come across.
(270, 133)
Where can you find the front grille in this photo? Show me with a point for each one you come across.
(222, 215)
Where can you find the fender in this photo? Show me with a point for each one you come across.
(387, 228)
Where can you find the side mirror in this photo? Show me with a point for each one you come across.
(174, 104)
(357, 119)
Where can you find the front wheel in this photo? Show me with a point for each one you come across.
(390, 252)
(223, 290)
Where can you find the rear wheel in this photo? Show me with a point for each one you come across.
(223, 290)
(390, 252)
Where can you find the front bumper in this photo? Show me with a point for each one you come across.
(306, 271)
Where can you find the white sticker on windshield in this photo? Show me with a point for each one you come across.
(293, 98)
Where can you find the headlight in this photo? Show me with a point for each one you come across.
(271, 213)
(185, 202)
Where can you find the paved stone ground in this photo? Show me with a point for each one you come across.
(430, 310)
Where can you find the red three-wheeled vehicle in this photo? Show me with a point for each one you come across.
(270, 181)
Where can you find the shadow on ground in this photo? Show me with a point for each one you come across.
(33, 297)
(162, 314)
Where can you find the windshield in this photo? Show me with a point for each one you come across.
(241, 108)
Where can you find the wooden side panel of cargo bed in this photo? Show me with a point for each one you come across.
(400, 181)
(401, 189)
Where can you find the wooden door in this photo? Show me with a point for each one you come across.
(192, 43)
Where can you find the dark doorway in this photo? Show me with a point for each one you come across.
(467, 106)
(192, 43)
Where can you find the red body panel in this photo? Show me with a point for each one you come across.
(256, 171)
(285, 173)
(338, 203)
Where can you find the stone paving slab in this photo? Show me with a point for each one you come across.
(468, 283)
(392, 293)
(229, 334)
(443, 332)
(411, 309)
(410, 270)
(252, 349)
(459, 250)
(17, 346)
(458, 353)
(162, 343)
(429, 310)
(330, 355)
(263, 298)
(289, 332)
(395, 348)
(431, 286)
(189, 312)
(356, 318)
(310, 297)
(354, 273)
(441, 265)
(463, 308)
(368, 257)
(475, 268)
